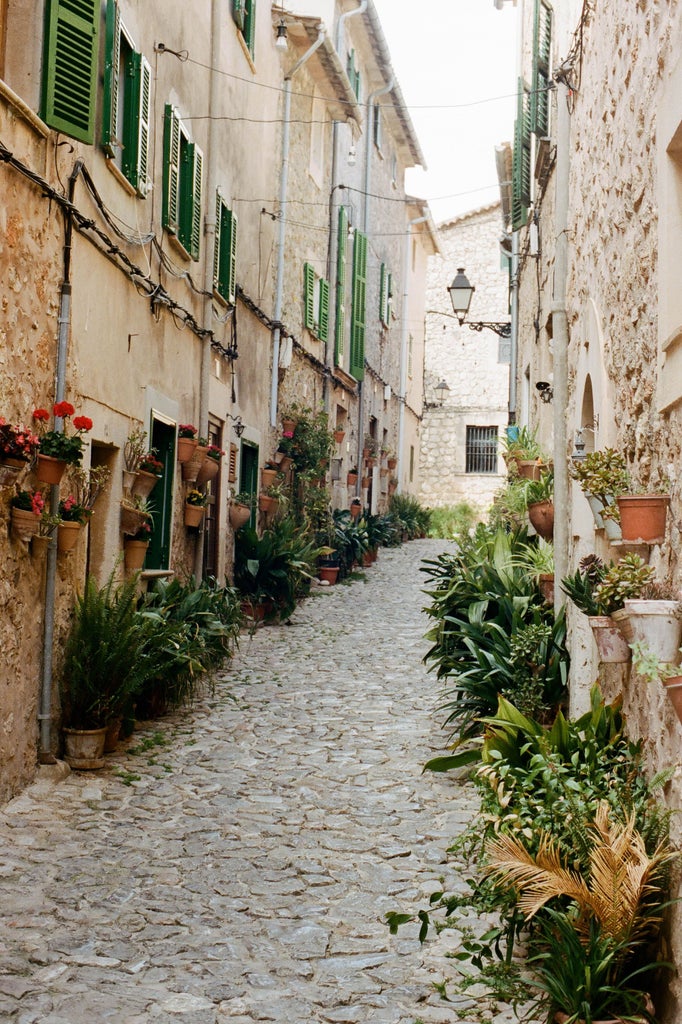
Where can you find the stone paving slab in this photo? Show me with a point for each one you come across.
(239, 868)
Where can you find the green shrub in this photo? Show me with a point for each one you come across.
(450, 522)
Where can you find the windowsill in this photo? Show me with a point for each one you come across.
(156, 574)
(177, 245)
(120, 177)
(24, 111)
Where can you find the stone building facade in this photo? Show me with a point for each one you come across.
(162, 195)
(596, 219)
(460, 454)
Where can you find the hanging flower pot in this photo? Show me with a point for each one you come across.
(355, 509)
(132, 519)
(39, 545)
(339, 436)
(190, 468)
(267, 504)
(658, 624)
(268, 477)
(288, 427)
(239, 515)
(10, 469)
(612, 647)
(144, 483)
(48, 469)
(352, 479)
(643, 516)
(208, 471)
(186, 446)
(134, 552)
(392, 462)
(67, 536)
(366, 481)
(25, 524)
(541, 515)
(193, 514)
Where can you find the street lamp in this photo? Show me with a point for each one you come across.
(442, 390)
(461, 291)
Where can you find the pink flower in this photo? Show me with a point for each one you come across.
(37, 503)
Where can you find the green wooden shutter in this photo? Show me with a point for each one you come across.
(521, 160)
(112, 58)
(238, 7)
(340, 322)
(249, 30)
(232, 257)
(70, 66)
(218, 244)
(383, 294)
(308, 297)
(357, 339)
(197, 161)
(171, 170)
(142, 176)
(323, 326)
(542, 54)
(225, 256)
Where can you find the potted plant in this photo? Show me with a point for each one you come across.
(135, 511)
(241, 506)
(537, 560)
(392, 460)
(599, 590)
(134, 448)
(57, 448)
(195, 506)
(135, 547)
(268, 475)
(268, 500)
(191, 467)
(653, 616)
(26, 510)
(523, 453)
(648, 665)
(540, 498)
(148, 473)
(370, 451)
(339, 435)
(356, 508)
(603, 476)
(352, 477)
(211, 464)
(72, 515)
(187, 441)
(643, 516)
(18, 445)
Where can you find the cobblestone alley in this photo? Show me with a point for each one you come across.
(237, 866)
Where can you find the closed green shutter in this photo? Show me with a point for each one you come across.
(521, 160)
(542, 54)
(323, 326)
(357, 338)
(249, 30)
(70, 66)
(112, 59)
(340, 323)
(197, 159)
(308, 297)
(142, 176)
(171, 170)
(232, 257)
(225, 255)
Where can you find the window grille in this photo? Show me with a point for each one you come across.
(481, 450)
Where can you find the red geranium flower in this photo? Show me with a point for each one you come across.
(63, 409)
(42, 415)
(82, 423)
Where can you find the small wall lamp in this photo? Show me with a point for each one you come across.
(281, 40)
(237, 426)
(461, 292)
(442, 390)
(546, 391)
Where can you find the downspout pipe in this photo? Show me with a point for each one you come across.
(283, 183)
(514, 338)
(369, 130)
(404, 333)
(560, 342)
(45, 755)
(209, 245)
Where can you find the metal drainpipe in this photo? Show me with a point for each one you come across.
(45, 755)
(284, 177)
(560, 343)
(513, 341)
(403, 347)
(209, 243)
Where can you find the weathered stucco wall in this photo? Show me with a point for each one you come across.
(468, 361)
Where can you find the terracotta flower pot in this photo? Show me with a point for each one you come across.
(541, 515)
(328, 573)
(186, 446)
(208, 471)
(612, 646)
(25, 524)
(144, 483)
(339, 436)
(267, 504)
(643, 516)
(134, 553)
(356, 510)
(366, 481)
(530, 469)
(239, 515)
(268, 478)
(673, 687)
(67, 535)
(392, 463)
(10, 469)
(39, 545)
(131, 519)
(84, 748)
(288, 426)
(49, 470)
(194, 514)
(546, 586)
(352, 479)
(190, 468)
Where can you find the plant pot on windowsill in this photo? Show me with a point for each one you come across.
(643, 517)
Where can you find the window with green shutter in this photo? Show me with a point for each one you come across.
(385, 295)
(357, 334)
(315, 303)
(521, 159)
(225, 254)
(542, 55)
(182, 183)
(126, 103)
(244, 17)
(353, 74)
(340, 321)
(70, 66)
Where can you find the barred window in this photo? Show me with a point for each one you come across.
(481, 450)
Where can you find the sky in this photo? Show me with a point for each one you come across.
(449, 55)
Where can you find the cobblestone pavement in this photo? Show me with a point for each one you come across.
(237, 866)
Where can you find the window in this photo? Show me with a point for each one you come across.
(316, 302)
(126, 103)
(340, 321)
(394, 171)
(225, 253)
(244, 15)
(162, 435)
(542, 54)
(211, 525)
(385, 295)
(521, 159)
(481, 450)
(70, 67)
(377, 126)
(353, 74)
(182, 164)
(357, 334)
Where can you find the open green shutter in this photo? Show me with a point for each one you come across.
(323, 326)
(542, 54)
(197, 159)
(357, 339)
(142, 175)
(340, 323)
(249, 30)
(217, 248)
(308, 297)
(225, 255)
(112, 58)
(521, 160)
(171, 170)
(70, 66)
(230, 246)
(383, 294)
(238, 7)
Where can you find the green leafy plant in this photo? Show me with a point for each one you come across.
(603, 474)
(522, 443)
(540, 490)
(276, 566)
(134, 448)
(58, 444)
